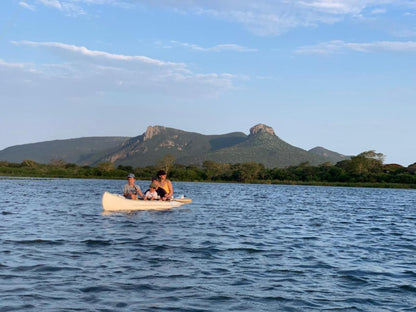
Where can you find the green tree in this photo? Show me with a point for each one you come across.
(214, 170)
(166, 163)
(125, 168)
(106, 166)
(58, 163)
(363, 164)
(367, 162)
(30, 163)
(249, 171)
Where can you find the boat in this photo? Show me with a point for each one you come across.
(116, 202)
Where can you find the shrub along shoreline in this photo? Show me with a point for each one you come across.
(363, 170)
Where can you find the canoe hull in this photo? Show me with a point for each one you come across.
(183, 200)
(115, 202)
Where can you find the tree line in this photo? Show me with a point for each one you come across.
(365, 169)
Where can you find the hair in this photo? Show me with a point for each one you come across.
(161, 172)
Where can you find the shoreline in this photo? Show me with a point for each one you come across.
(258, 182)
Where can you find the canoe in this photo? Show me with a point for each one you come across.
(115, 202)
(183, 200)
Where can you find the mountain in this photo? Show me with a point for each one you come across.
(333, 157)
(186, 147)
(262, 145)
(77, 151)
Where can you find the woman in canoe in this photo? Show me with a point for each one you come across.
(160, 191)
(165, 184)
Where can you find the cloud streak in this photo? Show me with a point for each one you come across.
(217, 48)
(339, 46)
(27, 6)
(339, 7)
(262, 17)
(78, 53)
(85, 72)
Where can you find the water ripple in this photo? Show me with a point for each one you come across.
(235, 248)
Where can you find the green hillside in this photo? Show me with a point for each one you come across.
(331, 156)
(77, 151)
(273, 151)
(156, 142)
(262, 145)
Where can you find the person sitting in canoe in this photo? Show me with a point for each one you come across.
(160, 191)
(165, 183)
(131, 190)
(151, 193)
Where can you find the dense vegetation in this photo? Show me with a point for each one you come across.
(365, 169)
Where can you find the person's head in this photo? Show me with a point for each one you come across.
(153, 187)
(161, 173)
(155, 181)
(131, 177)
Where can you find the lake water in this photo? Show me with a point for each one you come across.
(237, 247)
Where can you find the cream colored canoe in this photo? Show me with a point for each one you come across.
(183, 200)
(115, 202)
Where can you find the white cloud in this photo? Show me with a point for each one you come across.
(378, 11)
(262, 17)
(216, 48)
(84, 72)
(68, 7)
(274, 17)
(77, 53)
(263, 23)
(27, 6)
(75, 7)
(336, 46)
(339, 7)
(52, 4)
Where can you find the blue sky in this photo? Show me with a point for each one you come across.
(331, 73)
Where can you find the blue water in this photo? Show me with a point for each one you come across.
(235, 248)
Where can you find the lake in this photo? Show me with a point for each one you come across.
(237, 247)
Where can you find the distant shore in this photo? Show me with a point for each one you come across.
(268, 182)
(359, 172)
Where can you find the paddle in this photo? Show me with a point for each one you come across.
(183, 200)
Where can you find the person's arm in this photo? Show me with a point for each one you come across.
(169, 195)
(139, 191)
(125, 192)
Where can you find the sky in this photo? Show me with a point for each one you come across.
(331, 73)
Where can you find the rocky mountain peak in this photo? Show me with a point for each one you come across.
(261, 128)
(152, 131)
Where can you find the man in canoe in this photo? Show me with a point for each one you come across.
(130, 190)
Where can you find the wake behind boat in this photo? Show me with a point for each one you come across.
(115, 202)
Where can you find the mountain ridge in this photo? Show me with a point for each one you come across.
(261, 145)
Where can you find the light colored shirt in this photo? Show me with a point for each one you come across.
(150, 195)
(131, 189)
